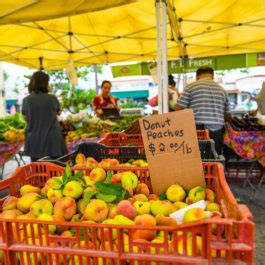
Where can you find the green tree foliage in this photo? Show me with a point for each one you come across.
(73, 100)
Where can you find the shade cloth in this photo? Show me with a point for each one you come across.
(125, 32)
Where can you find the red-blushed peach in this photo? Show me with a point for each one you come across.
(114, 162)
(112, 211)
(73, 189)
(105, 162)
(175, 193)
(81, 206)
(24, 203)
(148, 221)
(9, 203)
(165, 220)
(29, 189)
(153, 197)
(129, 181)
(76, 218)
(8, 214)
(91, 162)
(48, 217)
(98, 174)
(96, 210)
(67, 233)
(127, 209)
(196, 194)
(212, 207)
(66, 207)
(80, 158)
(54, 195)
(140, 197)
(142, 207)
(60, 228)
(194, 214)
(142, 188)
(50, 183)
(116, 178)
(180, 205)
(162, 207)
(209, 195)
(41, 206)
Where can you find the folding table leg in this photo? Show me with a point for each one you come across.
(247, 180)
(2, 167)
(258, 186)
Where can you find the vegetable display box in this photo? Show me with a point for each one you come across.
(228, 240)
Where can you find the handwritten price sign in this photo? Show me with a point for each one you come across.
(172, 150)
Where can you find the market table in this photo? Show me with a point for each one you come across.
(250, 145)
(7, 151)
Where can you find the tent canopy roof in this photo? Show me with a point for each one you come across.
(127, 32)
(20, 11)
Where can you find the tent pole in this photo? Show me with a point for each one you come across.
(158, 40)
(2, 99)
(164, 57)
(96, 77)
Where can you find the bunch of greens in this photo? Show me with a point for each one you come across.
(106, 191)
(11, 122)
(125, 122)
(77, 100)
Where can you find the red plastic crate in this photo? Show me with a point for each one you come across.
(203, 135)
(123, 139)
(212, 241)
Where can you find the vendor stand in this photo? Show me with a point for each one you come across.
(247, 141)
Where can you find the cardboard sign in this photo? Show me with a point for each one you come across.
(172, 150)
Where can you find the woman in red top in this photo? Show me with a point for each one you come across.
(105, 100)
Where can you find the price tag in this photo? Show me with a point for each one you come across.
(172, 150)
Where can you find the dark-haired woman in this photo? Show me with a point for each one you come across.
(40, 109)
(105, 100)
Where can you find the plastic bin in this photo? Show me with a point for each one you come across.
(99, 151)
(124, 153)
(203, 135)
(123, 139)
(210, 241)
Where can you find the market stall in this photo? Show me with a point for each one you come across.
(98, 227)
(246, 138)
(11, 138)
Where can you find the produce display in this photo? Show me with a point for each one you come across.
(87, 127)
(66, 126)
(82, 161)
(12, 128)
(112, 216)
(246, 123)
(101, 197)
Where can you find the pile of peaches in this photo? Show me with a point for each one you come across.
(82, 161)
(102, 197)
